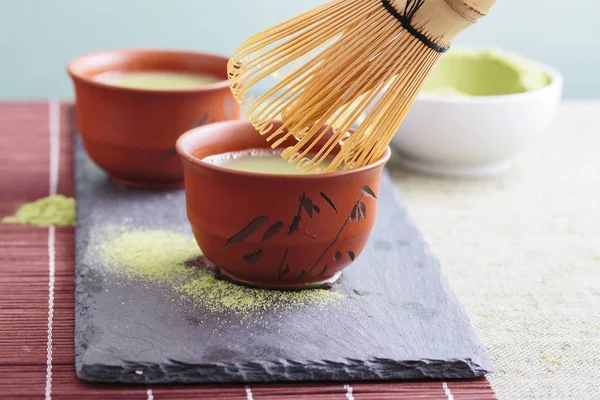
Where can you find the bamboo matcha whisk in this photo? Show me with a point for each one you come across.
(339, 61)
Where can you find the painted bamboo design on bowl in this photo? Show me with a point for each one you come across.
(311, 209)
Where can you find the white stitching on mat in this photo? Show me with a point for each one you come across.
(447, 391)
(54, 133)
(349, 395)
(149, 393)
(249, 393)
(51, 259)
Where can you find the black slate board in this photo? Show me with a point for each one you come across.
(399, 319)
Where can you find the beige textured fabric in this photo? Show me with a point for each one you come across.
(522, 252)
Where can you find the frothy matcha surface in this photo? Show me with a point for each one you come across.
(261, 161)
(56, 210)
(157, 80)
(484, 73)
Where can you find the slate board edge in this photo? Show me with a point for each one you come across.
(83, 302)
(282, 371)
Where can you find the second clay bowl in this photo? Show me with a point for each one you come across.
(131, 132)
(274, 230)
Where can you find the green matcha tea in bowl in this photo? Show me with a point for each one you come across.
(156, 80)
(265, 223)
(132, 105)
(478, 109)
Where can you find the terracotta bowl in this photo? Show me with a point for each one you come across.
(131, 133)
(274, 231)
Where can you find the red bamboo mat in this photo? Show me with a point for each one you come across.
(37, 288)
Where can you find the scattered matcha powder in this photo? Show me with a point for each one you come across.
(153, 255)
(159, 257)
(57, 210)
(218, 296)
(551, 360)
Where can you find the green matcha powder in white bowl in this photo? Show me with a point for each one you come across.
(476, 112)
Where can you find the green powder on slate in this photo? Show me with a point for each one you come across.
(152, 255)
(56, 210)
(218, 295)
(159, 257)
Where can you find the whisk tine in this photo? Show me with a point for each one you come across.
(369, 76)
(332, 19)
(408, 48)
(300, 44)
(395, 106)
(292, 26)
(335, 83)
(339, 62)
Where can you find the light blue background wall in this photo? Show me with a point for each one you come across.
(38, 37)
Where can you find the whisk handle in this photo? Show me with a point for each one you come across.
(472, 10)
(442, 20)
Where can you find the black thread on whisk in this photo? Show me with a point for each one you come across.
(405, 19)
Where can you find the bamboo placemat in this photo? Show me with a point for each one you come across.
(37, 288)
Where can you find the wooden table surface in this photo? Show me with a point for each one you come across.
(37, 288)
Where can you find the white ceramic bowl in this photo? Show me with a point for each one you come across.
(471, 136)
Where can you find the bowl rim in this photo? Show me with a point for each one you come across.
(556, 82)
(183, 149)
(221, 84)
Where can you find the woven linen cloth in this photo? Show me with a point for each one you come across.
(522, 252)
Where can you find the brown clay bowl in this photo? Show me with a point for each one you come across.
(131, 133)
(274, 231)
